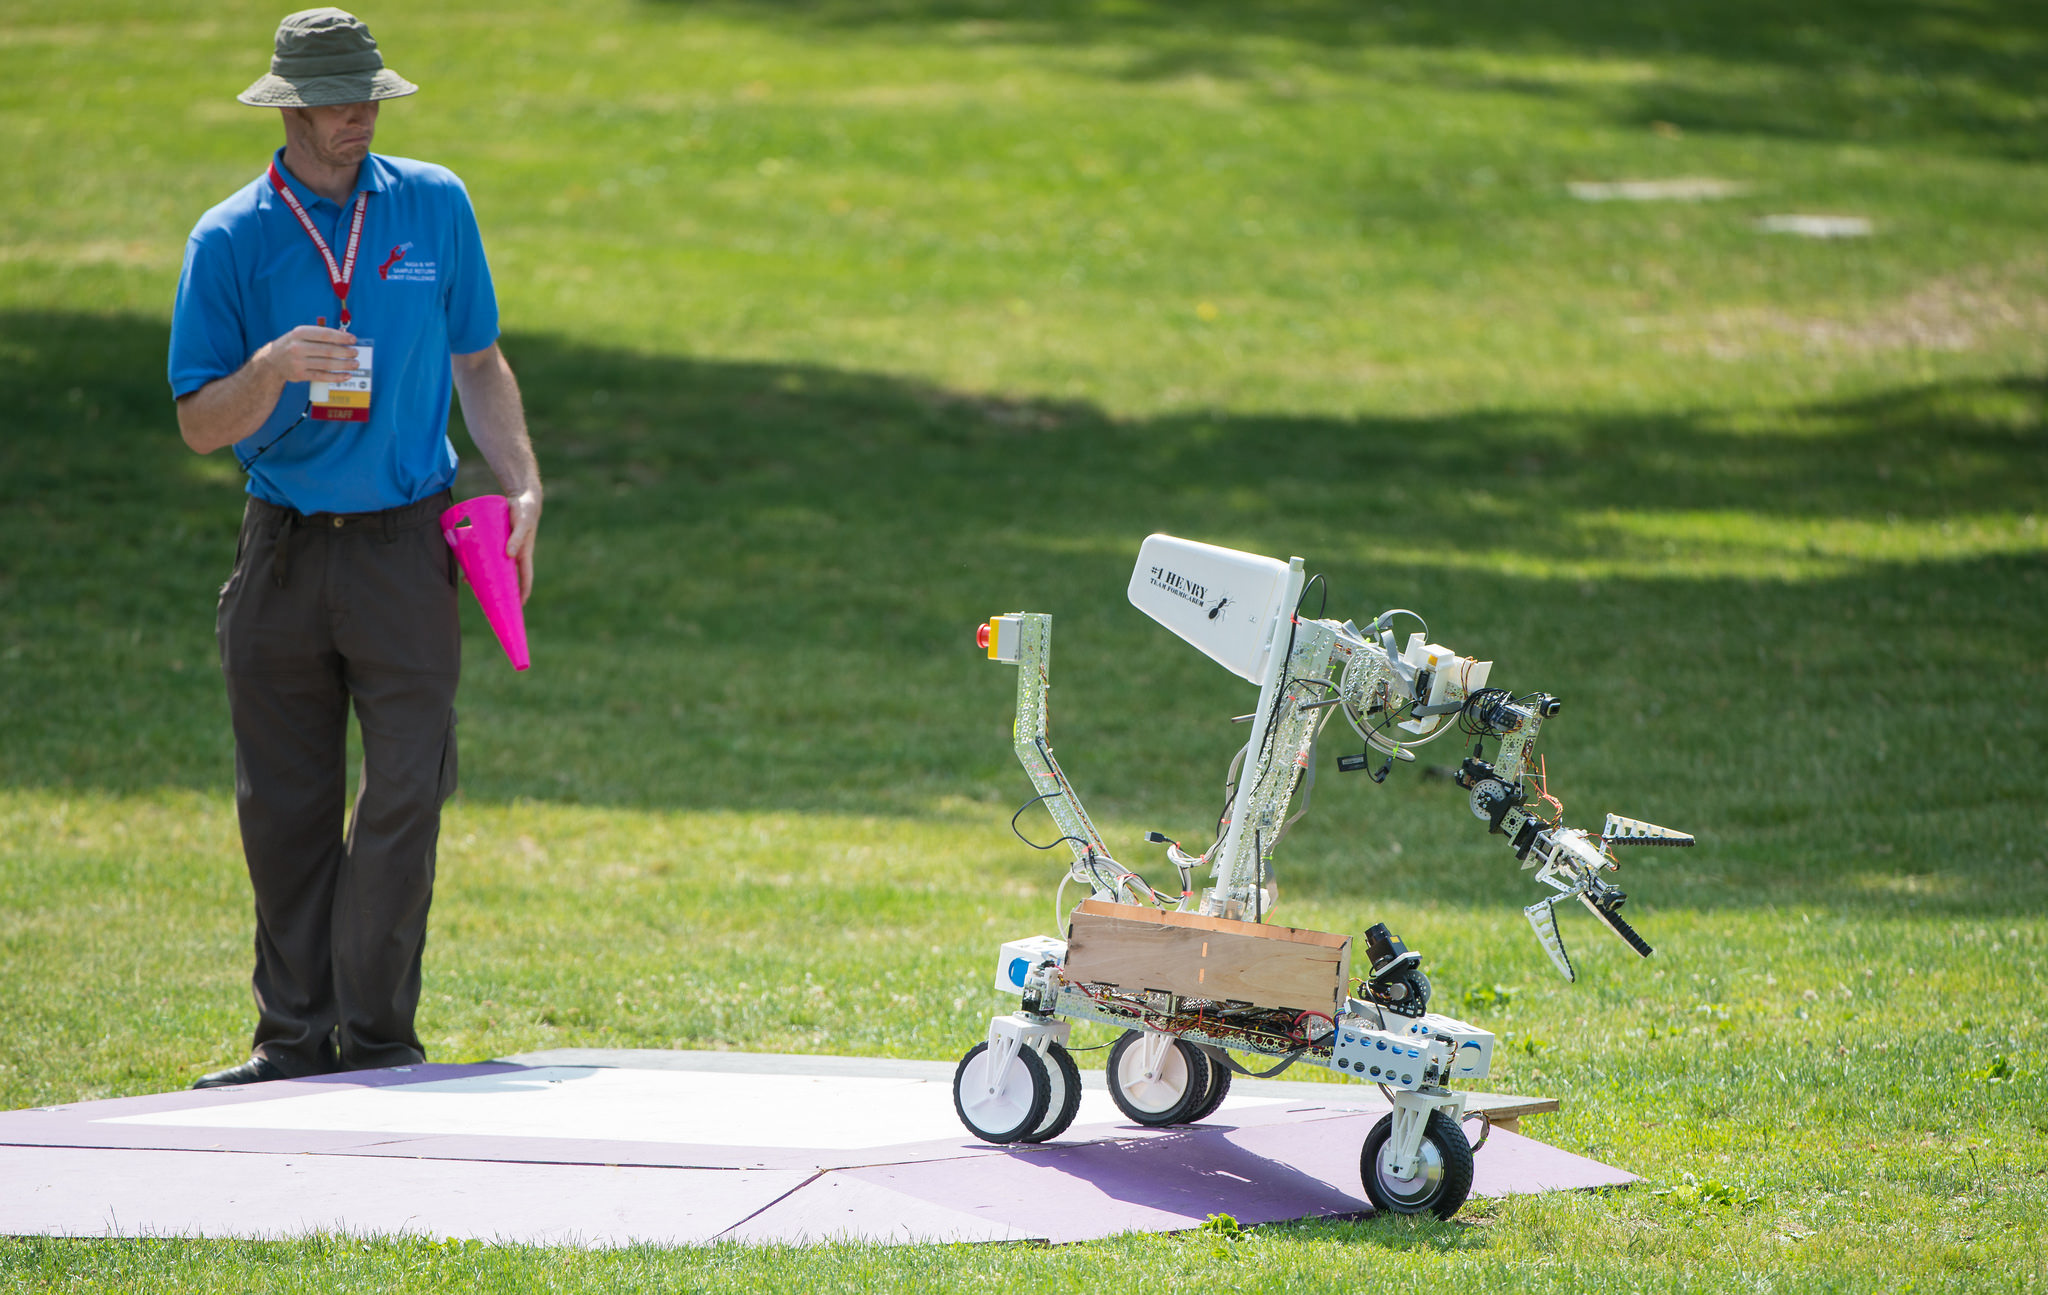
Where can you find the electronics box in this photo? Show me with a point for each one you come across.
(1140, 949)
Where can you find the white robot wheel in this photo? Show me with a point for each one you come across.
(1439, 1181)
(1219, 1088)
(1155, 1079)
(1066, 1095)
(1001, 1108)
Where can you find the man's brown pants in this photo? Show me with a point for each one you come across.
(323, 612)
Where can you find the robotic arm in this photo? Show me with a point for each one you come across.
(1241, 610)
(1569, 860)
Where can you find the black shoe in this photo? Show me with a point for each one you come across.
(253, 1071)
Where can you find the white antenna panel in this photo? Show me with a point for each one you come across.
(1224, 602)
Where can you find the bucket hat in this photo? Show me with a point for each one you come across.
(324, 56)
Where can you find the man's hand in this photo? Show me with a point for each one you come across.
(525, 527)
(310, 353)
(233, 408)
(497, 422)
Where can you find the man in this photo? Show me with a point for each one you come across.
(343, 590)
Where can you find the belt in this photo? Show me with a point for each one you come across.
(386, 524)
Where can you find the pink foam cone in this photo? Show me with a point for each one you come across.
(477, 529)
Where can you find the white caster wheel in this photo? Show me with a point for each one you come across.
(1440, 1180)
(1155, 1079)
(1066, 1095)
(1002, 1111)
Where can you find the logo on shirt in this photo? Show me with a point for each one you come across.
(396, 266)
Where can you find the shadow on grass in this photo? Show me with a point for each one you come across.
(759, 585)
(1862, 70)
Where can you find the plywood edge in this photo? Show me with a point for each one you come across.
(1199, 922)
(1506, 1110)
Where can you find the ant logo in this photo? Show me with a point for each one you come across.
(1217, 610)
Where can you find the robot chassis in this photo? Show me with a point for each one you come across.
(1170, 1066)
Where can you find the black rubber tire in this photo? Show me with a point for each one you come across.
(1190, 1098)
(1034, 1108)
(1219, 1088)
(1441, 1195)
(1059, 1114)
(1203, 1072)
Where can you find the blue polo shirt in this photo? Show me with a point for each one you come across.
(421, 292)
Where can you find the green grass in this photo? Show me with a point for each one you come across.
(845, 326)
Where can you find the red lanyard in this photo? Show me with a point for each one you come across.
(339, 273)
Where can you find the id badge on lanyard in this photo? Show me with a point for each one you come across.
(347, 401)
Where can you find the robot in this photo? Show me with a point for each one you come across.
(1129, 959)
